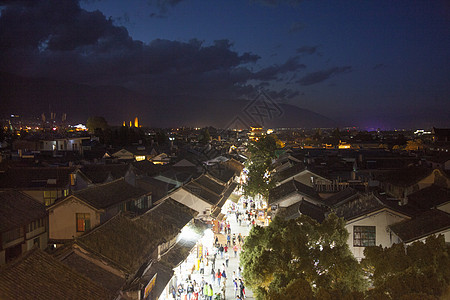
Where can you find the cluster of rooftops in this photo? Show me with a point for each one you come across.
(118, 225)
(132, 232)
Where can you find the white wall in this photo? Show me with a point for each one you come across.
(62, 218)
(381, 220)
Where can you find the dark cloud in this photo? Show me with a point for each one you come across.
(164, 5)
(296, 27)
(284, 95)
(320, 76)
(308, 50)
(157, 16)
(59, 40)
(272, 72)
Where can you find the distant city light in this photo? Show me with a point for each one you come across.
(421, 132)
(80, 127)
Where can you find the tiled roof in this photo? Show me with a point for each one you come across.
(108, 194)
(158, 188)
(36, 178)
(167, 218)
(181, 250)
(164, 274)
(93, 271)
(405, 177)
(209, 184)
(128, 243)
(290, 212)
(122, 241)
(235, 165)
(36, 275)
(99, 173)
(17, 209)
(202, 193)
(313, 211)
(429, 197)
(230, 189)
(430, 222)
(292, 171)
(222, 172)
(178, 253)
(177, 175)
(359, 206)
(303, 208)
(363, 204)
(340, 196)
(288, 188)
(145, 167)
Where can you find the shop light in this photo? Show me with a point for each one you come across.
(187, 233)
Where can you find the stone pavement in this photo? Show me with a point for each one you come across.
(233, 263)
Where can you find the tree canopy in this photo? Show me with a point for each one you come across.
(261, 154)
(96, 122)
(418, 271)
(301, 259)
(204, 137)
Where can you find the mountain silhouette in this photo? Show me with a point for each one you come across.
(34, 96)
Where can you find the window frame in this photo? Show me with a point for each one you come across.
(85, 218)
(364, 236)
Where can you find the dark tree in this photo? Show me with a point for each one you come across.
(204, 137)
(407, 272)
(302, 257)
(261, 154)
(96, 122)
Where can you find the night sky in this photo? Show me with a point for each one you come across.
(363, 63)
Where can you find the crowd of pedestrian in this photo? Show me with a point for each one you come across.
(216, 286)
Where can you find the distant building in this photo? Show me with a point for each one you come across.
(23, 225)
(256, 133)
(88, 208)
(441, 135)
(44, 184)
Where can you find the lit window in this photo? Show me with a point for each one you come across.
(140, 157)
(364, 236)
(50, 197)
(83, 222)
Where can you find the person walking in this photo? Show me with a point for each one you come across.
(202, 267)
(227, 258)
(221, 251)
(210, 292)
(205, 291)
(218, 276)
(235, 286)
(224, 275)
(190, 290)
(213, 275)
(241, 288)
(224, 288)
(213, 264)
